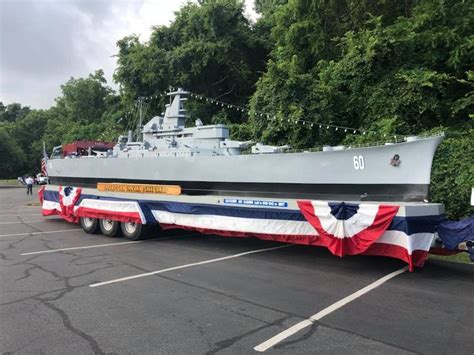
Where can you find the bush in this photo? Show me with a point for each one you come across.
(452, 177)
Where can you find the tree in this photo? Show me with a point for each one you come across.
(27, 133)
(266, 7)
(87, 110)
(210, 48)
(363, 65)
(12, 157)
(453, 173)
(13, 112)
(83, 100)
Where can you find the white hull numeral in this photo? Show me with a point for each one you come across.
(359, 163)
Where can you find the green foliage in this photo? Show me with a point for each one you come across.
(266, 7)
(210, 49)
(453, 174)
(27, 134)
(11, 155)
(406, 64)
(13, 112)
(83, 100)
(87, 109)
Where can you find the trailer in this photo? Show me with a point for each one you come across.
(402, 230)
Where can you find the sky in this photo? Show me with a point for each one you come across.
(43, 43)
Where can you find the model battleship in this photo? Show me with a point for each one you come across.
(204, 161)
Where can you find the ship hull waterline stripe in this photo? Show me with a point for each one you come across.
(386, 192)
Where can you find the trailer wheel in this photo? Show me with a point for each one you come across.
(132, 230)
(109, 228)
(90, 225)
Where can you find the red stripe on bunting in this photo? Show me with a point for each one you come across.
(417, 258)
(359, 242)
(113, 215)
(41, 194)
(46, 212)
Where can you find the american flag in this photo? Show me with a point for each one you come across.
(43, 161)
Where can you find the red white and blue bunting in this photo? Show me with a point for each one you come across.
(118, 210)
(345, 229)
(63, 205)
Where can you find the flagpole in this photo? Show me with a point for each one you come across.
(44, 161)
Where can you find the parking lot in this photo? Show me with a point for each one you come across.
(64, 291)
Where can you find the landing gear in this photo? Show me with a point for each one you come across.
(132, 230)
(109, 228)
(89, 225)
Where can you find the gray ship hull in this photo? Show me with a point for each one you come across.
(349, 174)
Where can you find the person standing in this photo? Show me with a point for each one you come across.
(29, 185)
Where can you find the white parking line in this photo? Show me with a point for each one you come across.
(85, 247)
(335, 306)
(34, 221)
(34, 233)
(97, 246)
(188, 265)
(20, 214)
(22, 208)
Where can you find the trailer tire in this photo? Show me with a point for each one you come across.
(133, 231)
(109, 228)
(89, 225)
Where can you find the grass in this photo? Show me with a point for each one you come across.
(9, 182)
(457, 258)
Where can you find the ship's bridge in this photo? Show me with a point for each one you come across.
(167, 135)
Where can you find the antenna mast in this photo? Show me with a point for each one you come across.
(140, 123)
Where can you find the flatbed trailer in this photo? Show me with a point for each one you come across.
(403, 230)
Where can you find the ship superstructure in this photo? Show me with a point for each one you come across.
(167, 136)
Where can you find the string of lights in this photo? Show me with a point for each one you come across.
(273, 117)
(269, 116)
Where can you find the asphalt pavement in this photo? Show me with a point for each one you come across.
(66, 292)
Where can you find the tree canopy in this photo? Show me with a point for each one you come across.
(86, 109)
(391, 67)
(210, 48)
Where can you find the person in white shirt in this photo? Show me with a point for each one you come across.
(29, 185)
